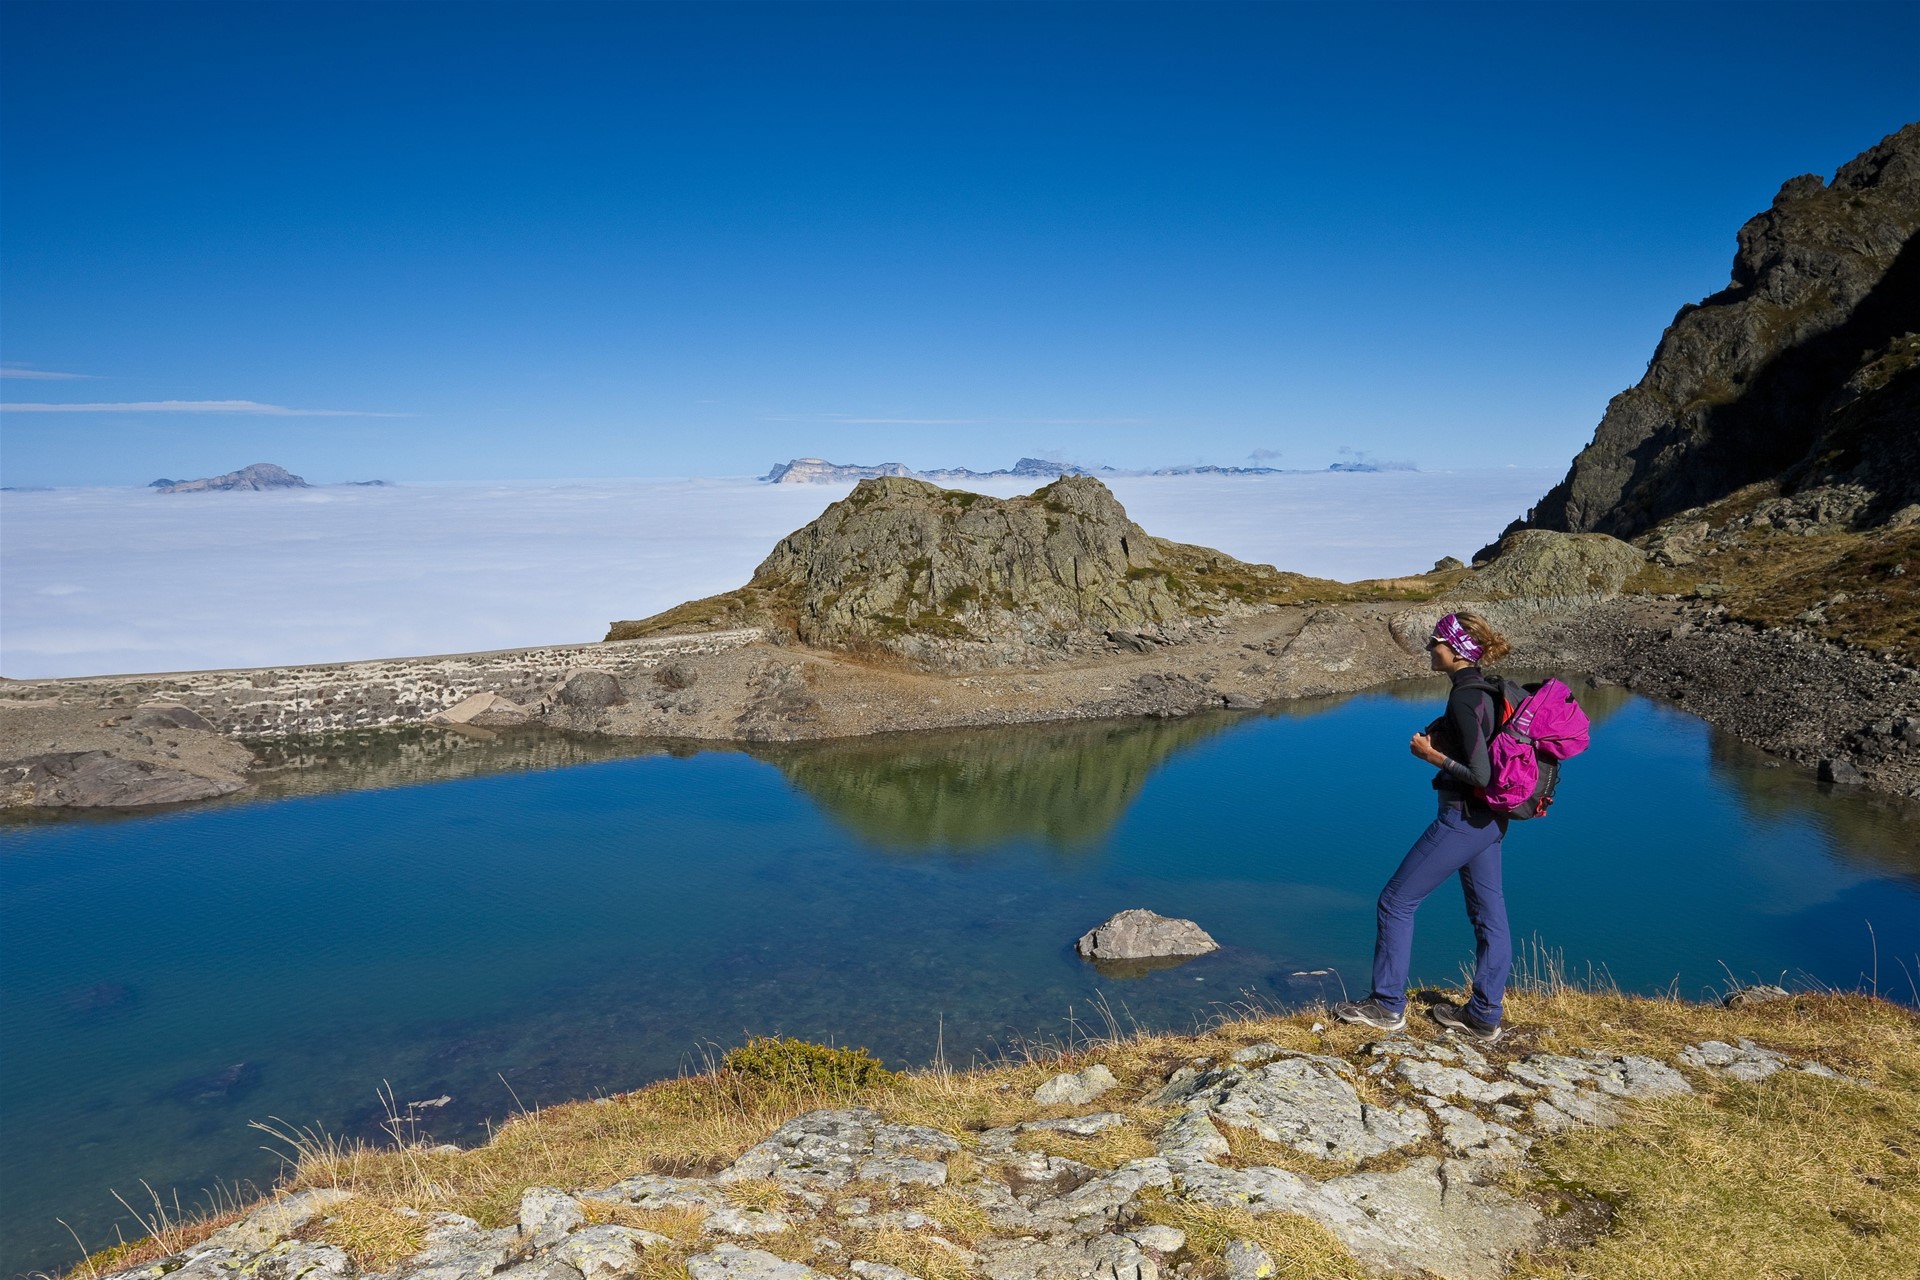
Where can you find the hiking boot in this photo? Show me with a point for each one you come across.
(1372, 1013)
(1459, 1022)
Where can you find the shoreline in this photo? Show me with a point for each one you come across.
(153, 739)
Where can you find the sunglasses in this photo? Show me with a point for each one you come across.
(1434, 640)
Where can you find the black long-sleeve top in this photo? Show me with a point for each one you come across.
(1462, 733)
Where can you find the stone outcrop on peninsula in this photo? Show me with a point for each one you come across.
(1802, 370)
(956, 581)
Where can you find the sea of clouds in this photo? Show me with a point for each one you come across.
(97, 581)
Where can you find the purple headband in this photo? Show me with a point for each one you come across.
(1449, 631)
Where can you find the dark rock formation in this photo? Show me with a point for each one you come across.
(261, 475)
(98, 779)
(1801, 369)
(955, 580)
(591, 691)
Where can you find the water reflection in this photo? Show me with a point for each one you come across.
(1063, 786)
(1869, 830)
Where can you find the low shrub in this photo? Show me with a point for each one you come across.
(800, 1064)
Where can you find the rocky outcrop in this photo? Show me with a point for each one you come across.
(1802, 368)
(1535, 564)
(958, 581)
(1444, 1133)
(261, 475)
(101, 779)
(59, 756)
(1139, 934)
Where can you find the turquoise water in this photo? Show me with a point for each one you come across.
(553, 934)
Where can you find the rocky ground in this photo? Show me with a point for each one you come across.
(1409, 1154)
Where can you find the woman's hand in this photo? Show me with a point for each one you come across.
(1422, 746)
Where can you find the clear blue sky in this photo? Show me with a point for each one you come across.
(625, 239)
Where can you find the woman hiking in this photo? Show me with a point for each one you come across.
(1464, 838)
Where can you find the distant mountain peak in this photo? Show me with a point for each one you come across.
(259, 475)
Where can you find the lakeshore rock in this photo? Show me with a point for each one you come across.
(1139, 934)
(102, 779)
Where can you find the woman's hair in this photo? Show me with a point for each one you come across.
(1493, 645)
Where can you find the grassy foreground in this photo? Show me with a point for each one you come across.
(1794, 1177)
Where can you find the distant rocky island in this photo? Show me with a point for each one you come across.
(820, 471)
(258, 476)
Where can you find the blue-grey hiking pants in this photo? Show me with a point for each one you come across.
(1457, 841)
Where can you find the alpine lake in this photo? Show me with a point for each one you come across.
(490, 923)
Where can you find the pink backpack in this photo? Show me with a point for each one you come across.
(1539, 726)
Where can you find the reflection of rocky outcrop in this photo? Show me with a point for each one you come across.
(376, 758)
(1797, 363)
(1065, 786)
(957, 580)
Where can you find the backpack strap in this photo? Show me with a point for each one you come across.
(1497, 694)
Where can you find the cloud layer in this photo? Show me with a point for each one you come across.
(116, 580)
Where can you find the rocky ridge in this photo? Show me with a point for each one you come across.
(1801, 370)
(1441, 1134)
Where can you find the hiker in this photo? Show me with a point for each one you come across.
(1465, 837)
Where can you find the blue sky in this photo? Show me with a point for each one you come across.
(610, 240)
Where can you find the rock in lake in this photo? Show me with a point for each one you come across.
(1139, 934)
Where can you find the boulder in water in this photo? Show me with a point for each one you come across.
(1139, 934)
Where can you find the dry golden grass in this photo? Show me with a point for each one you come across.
(1108, 1149)
(1795, 1176)
(1301, 1249)
(374, 1235)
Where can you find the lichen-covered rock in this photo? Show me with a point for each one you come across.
(1535, 564)
(1308, 1103)
(828, 1149)
(730, 1262)
(272, 1223)
(1248, 1261)
(1139, 934)
(547, 1214)
(606, 1251)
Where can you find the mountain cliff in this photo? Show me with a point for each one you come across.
(1803, 370)
(956, 580)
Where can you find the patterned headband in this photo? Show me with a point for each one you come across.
(1449, 632)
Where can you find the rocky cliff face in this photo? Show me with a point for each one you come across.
(1801, 369)
(956, 580)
